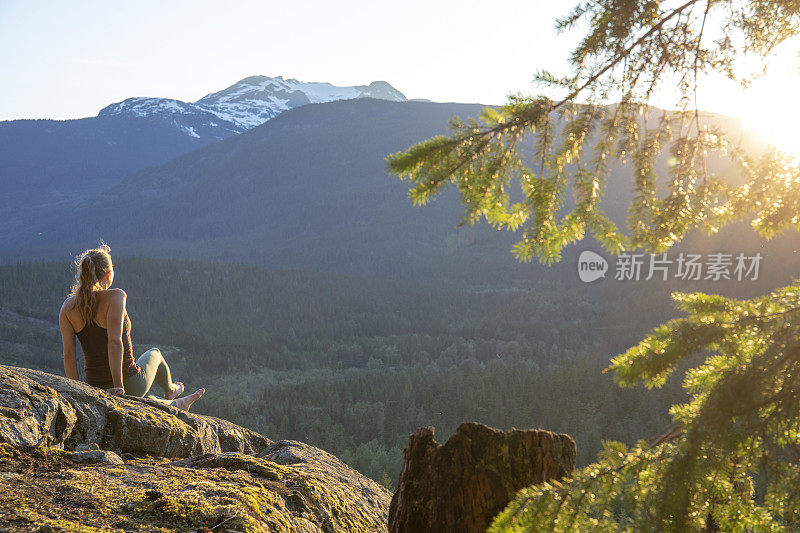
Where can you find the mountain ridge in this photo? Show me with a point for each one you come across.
(298, 192)
(251, 101)
(309, 190)
(48, 165)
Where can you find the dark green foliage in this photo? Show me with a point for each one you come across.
(730, 462)
(631, 49)
(355, 365)
(732, 453)
(377, 408)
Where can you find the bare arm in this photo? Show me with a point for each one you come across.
(68, 343)
(114, 318)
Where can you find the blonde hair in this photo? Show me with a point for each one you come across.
(91, 266)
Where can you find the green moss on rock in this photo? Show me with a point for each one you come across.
(174, 512)
(231, 479)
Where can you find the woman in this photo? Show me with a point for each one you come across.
(96, 314)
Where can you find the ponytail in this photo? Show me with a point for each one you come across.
(92, 266)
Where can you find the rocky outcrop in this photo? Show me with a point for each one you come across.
(75, 458)
(40, 409)
(320, 485)
(459, 486)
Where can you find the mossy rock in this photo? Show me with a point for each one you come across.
(40, 409)
(181, 472)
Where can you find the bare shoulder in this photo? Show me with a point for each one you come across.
(67, 308)
(115, 294)
(68, 304)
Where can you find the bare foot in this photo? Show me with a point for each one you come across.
(177, 390)
(186, 402)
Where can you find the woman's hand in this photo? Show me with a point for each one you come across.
(116, 391)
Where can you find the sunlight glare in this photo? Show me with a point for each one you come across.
(771, 111)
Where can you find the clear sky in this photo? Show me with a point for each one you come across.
(70, 59)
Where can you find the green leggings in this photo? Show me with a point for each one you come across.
(154, 369)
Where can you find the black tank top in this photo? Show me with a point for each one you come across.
(94, 341)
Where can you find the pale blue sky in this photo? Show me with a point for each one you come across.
(69, 59)
(63, 59)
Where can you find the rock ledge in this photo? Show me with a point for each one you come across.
(75, 458)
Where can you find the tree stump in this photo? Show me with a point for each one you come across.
(461, 485)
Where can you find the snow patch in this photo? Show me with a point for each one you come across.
(190, 131)
(249, 102)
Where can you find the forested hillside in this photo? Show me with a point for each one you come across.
(398, 318)
(354, 365)
(47, 165)
(309, 190)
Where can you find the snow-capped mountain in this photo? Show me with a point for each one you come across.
(246, 104)
(256, 99)
(190, 119)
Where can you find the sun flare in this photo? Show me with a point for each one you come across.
(770, 111)
(775, 127)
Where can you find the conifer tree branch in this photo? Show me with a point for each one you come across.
(625, 53)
